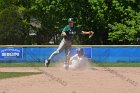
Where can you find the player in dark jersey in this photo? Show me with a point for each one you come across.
(68, 34)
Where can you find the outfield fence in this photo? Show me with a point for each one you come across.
(97, 53)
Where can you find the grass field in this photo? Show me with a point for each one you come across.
(24, 64)
(117, 64)
(4, 75)
(41, 64)
(35, 64)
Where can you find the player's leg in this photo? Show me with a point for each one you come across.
(67, 53)
(59, 50)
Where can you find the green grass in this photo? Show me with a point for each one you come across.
(24, 64)
(4, 75)
(41, 64)
(116, 64)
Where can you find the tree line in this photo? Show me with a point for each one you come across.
(115, 22)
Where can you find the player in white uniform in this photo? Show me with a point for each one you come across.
(78, 61)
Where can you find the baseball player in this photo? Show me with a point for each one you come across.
(68, 33)
(78, 61)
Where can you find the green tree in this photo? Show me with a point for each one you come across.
(21, 8)
(113, 21)
(100, 20)
(53, 15)
(116, 21)
(124, 28)
(11, 30)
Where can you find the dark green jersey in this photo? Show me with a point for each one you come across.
(71, 32)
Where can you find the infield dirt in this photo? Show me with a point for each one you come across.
(59, 80)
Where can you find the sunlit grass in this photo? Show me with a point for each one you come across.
(4, 75)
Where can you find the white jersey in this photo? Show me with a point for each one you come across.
(77, 62)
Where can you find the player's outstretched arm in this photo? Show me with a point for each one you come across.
(90, 33)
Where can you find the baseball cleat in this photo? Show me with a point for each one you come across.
(47, 62)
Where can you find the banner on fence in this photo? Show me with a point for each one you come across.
(11, 53)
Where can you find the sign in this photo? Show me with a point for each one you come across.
(11, 53)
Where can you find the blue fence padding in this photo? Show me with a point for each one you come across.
(116, 54)
(96, 53)
(39, 54)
